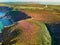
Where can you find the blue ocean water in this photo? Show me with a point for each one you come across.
(54, 30)
(6, 21)
(2, 14)
(1, 27)
(3, 18)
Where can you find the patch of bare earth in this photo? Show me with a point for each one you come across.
(29, 34)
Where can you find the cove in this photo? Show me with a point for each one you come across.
(9, 17)
(18, 15)
(54, 30)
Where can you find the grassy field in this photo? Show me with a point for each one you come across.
(45, 16)
(36, 34)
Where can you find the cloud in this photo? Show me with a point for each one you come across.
(29, 0)
(9, 0)
(41, 0)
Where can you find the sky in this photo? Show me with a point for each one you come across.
(29, 0)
